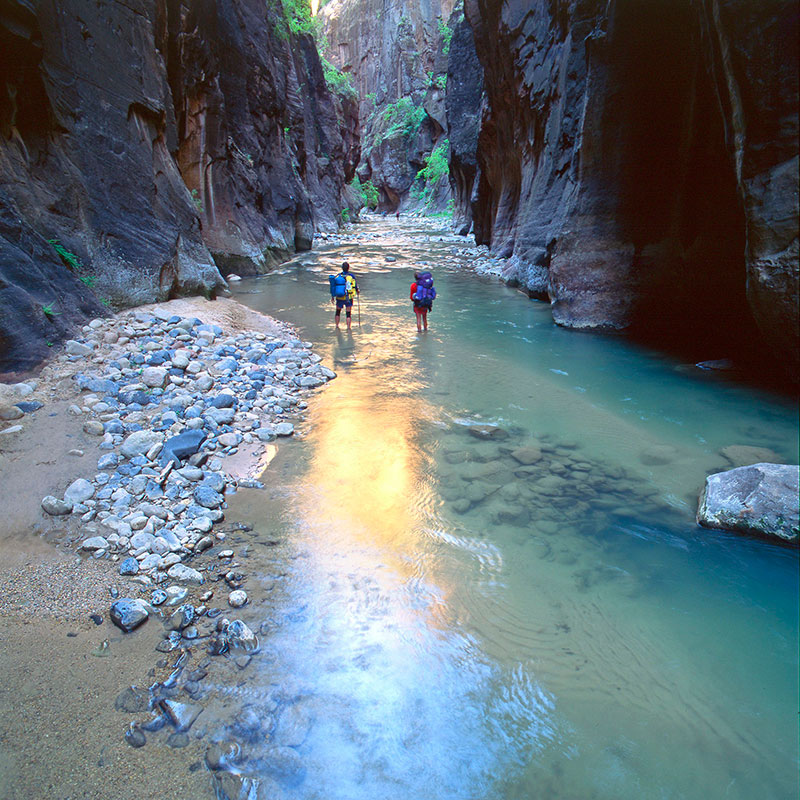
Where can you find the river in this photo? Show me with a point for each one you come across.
(496, 587)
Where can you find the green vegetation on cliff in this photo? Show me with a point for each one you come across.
(401, 119)
(298, 17)
(446, 32)
(368, 191)
(436, 167)
(338, 81)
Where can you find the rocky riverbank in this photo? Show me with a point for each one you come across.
(174, 407)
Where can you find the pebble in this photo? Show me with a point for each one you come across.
(181, 715)
(176, 594)
(94, 543)
(207, 497)
(180, 572)
(237, 598)
(128, 613)
(93, 427)
(78, 492)
(134, 736)
(158, 597)
(140, 442)
(55, 507)
(132, 700)
(222, 755)
(182, 617)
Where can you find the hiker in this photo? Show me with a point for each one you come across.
(343, 289)
(423, 294)
(398, 215)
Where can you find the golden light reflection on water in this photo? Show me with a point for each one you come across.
(368, 487)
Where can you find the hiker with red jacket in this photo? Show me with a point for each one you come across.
(423, 294)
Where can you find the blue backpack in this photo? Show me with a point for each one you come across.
(425, 294)
(338, 286)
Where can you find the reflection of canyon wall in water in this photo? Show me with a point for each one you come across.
(146, 137)
(638, 162)
(392, 50)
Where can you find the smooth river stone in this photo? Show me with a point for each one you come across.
(140, 442)
(742, 455)
(184, 574)
(94, 543)
(79, 491)
(487, 432)
(128, 613)
(527, 455)
(55, 507)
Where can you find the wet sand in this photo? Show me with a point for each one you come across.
(60, 735)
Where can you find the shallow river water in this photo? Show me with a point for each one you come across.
(530, 612)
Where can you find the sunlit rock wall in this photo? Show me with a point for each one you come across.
(638, 162)
(145, 136)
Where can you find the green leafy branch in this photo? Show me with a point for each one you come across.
(446, 32)
(437, 166)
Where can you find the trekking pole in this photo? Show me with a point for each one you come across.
(358, 303)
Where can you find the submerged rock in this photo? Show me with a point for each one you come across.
(231, 786)
(132, 700)
(759, 499)
(487, 432)
(527, 455)
(134, 736)
(222, 755)
(181, 715)
(742, 455)
(284, 763)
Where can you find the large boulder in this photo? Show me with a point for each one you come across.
(759, 499)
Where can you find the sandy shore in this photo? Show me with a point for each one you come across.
(63, 669)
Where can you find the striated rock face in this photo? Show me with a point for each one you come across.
(394, 51)
(465, 102)
(145, 137)
(263, 145)
(638, 162)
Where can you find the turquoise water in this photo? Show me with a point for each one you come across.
(532, 612)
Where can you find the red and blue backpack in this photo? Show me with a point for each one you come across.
(425, 293)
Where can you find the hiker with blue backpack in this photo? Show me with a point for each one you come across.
(344, 289)
(423, 294)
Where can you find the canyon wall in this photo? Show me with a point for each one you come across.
(158, 143)
(637, 163)
(395, 53)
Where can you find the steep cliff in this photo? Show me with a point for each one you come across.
(638, 163)
(142, 138)
(465, 103)
(396, 53)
